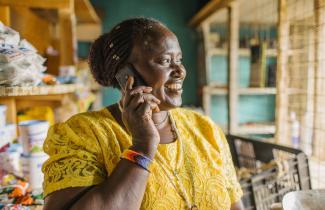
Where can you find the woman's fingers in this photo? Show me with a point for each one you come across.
(140, 98)
(140, 89)
(128, 88)
(152, 101)
(145, 111)
(136, 100)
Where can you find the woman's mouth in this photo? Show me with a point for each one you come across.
(174, 88)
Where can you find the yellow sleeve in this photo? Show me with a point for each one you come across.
(75, 157)
(233, 186)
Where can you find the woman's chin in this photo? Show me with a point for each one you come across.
(170, 103)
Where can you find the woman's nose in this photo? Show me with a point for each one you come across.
(178, 71)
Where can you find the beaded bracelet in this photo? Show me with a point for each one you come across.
(137, 158)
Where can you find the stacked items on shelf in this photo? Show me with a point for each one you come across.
(32, 136)
(15, 194)
(20, 65)
(20, 163)
(7, 131)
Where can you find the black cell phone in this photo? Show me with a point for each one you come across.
(124, 73)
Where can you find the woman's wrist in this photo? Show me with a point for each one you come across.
(148, 150)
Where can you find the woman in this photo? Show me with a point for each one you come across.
(144, 152)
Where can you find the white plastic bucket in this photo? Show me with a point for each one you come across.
(32, 169)
(32, 135)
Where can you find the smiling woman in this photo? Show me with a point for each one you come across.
(143, 152)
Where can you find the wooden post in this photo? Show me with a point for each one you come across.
(5, 15)
(206, 31)
(233, 27)
(319, 128)
(10, 102)
(68, 41)
(206, 98)
(281, 116)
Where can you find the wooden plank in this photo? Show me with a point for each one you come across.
(88, 31)
(68, 41)
(44, 4)
(214, 90)
(233, 46)
(318, 130)
(241, 52)
(5, 15)
(210, 8)
(11, 109)
(85, 12)
(258, 128)
(257, 91)
(39, 90)
(205, 31)
(23, 103)
(207, 103)
(31, 27)
(281, 116)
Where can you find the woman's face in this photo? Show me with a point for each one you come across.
(158, 59)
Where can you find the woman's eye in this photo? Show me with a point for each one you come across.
(165, 61)
(178, 61)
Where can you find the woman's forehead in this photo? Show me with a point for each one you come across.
(159, 40)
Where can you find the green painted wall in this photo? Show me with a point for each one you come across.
(175, 14)
(251, 108)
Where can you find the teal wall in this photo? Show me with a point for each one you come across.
(175, 14)
(251, 108)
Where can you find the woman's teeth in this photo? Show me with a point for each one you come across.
(174, 86)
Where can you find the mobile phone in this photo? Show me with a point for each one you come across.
(124, 73)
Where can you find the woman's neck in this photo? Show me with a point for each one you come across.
(160, 118)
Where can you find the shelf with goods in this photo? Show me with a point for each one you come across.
(19, 98)
(227, 68)
(53, 27)
(36, 101)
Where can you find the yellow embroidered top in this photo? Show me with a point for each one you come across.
(84, 150)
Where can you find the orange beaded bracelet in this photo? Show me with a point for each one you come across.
(137, 158)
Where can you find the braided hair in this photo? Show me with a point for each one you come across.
(111, 50)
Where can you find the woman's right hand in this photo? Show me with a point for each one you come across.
(138, 105)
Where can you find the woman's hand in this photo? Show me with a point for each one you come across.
(138, 105)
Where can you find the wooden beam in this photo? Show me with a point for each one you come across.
(205, 32)
(207, 11)
(233, 25)
(5, 15)
(11, 109)
(281, 116)
(31, 27)
(318, 131)
(68, 41)
(207, 101)
(88, 31)
(85, 12)
(44, 4)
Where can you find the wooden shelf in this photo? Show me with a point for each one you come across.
(257, 91)
(241, 52)
(256, 129)
(39, 90)
(211, 90)
(241, 91)
(56, 23)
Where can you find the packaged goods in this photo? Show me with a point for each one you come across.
(20, 65)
